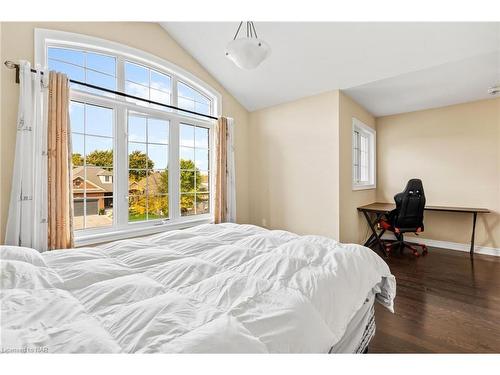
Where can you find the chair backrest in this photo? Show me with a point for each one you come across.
(410, 203)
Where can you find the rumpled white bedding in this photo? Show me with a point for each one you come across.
(212, 288)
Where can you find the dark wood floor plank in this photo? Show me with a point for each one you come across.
(445, 304)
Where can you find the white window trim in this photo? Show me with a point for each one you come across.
(359, 126)
(45, 38)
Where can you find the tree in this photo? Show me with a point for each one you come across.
(137, 207)
(139, 160)
(77, 159)
(163, 188)
(188, 175)
(104, 158)
(157, 206)
(100, 158)
(190, 183)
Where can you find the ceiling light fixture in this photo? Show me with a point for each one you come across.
(494, 90)
(247, 52)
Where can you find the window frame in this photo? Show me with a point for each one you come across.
(121, 227)
(371, 134)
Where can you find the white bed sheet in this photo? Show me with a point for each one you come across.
(212, 289)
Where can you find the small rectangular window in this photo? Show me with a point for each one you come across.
(363, 156)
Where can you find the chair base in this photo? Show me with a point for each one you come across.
(401, 244)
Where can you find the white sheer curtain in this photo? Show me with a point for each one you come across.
(231, 178)
(27, 220)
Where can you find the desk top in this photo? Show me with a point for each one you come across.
(387, 207)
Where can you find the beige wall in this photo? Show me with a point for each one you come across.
(17, 43)
(353, 227)
(301, 165)
(455, 150)
(294, 166)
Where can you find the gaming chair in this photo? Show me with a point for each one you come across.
(407, 217)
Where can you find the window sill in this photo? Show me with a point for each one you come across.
(130, 231)
(363, 187)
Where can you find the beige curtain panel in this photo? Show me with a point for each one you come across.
(60, 191)
(221, 135)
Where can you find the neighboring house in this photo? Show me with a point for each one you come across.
(153, 183)
(98, 183)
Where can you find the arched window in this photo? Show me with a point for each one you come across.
(139, 164)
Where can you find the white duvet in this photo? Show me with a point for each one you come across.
(212, 288)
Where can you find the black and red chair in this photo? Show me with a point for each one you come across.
(407, 217)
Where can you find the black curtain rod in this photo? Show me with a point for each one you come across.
(12, 65)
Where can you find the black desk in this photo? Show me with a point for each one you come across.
(382, 209)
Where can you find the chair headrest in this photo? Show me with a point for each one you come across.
(414, 186)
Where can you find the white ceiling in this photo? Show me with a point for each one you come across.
(451, 83)
(387, 67)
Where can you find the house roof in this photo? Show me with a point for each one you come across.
(153, 180)
(93, 176)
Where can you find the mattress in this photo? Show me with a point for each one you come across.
(209, 289)
(359, 331)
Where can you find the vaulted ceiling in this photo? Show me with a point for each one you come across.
(387, 67)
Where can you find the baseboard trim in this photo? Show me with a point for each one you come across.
(450, 245)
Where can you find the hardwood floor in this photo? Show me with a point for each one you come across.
(445, 304)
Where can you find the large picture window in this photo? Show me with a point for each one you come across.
(135, 164)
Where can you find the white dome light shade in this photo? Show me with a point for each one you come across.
(247, 53)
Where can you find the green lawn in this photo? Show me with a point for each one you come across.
(142, 217)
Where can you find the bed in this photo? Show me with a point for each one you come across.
(223, 288)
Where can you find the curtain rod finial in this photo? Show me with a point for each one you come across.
(10, 64)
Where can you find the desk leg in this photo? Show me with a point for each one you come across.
(473, 233)
(374, 237)
(370, 239)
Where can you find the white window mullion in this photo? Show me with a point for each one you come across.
(355, 155)
(121, 170)
(120, 75)
(211, 166)
(174, 171)
(358, 162)
(173, 97)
